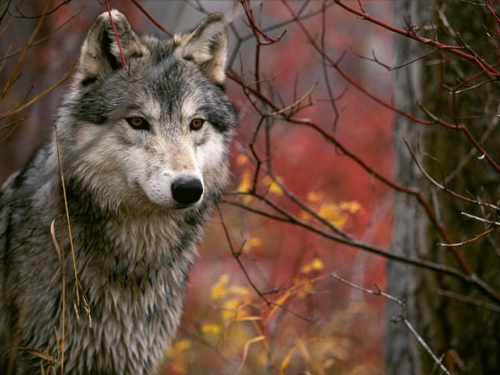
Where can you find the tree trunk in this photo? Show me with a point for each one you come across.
(467, 335)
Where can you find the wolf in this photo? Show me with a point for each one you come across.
(99, 229)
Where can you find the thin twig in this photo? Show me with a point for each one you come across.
(41, 40)
(237, 256)
(20, 108)
(469, 300)
(476, 237)
(490, 222)
(151, 18)
(63, 266)
(118, 42)
(13, 76)
(402, 318)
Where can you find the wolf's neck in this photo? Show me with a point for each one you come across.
(124, 241)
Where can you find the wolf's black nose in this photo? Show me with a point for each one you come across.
(187, 190)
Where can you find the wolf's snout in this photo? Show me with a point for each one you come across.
(187, 190)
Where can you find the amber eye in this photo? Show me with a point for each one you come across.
(197, 123)
(138, 123)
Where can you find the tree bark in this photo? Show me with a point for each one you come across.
(467, 335)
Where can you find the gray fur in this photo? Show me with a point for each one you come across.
(134, 242)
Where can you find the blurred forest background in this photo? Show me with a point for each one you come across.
(325, 189)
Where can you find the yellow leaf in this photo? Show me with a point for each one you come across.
(332, 213)
(179, 366)
(183, 345)
(219, 289)
(241, 159)
(305, 288)
(178, 353)
(255, 242)
(335, 213)
(314, 197)
(178, 348)
(315, 265)
(272, 186)
(239, 290)
(245, 185)
(208, 329)
(245, 182)
(351, 206)
(233, 309)
(251, 243)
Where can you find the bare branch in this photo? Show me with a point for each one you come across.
(401, 318)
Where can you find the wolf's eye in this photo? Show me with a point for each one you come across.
(196, 124)
(138, 123)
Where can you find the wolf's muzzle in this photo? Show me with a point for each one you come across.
(187, 190)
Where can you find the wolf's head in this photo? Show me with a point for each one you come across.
(147, 120)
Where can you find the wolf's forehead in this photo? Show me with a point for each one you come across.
(153, 108)
(189, 107)
(186, 106)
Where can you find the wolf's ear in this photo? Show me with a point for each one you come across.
(100, 53)
(207, 46)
